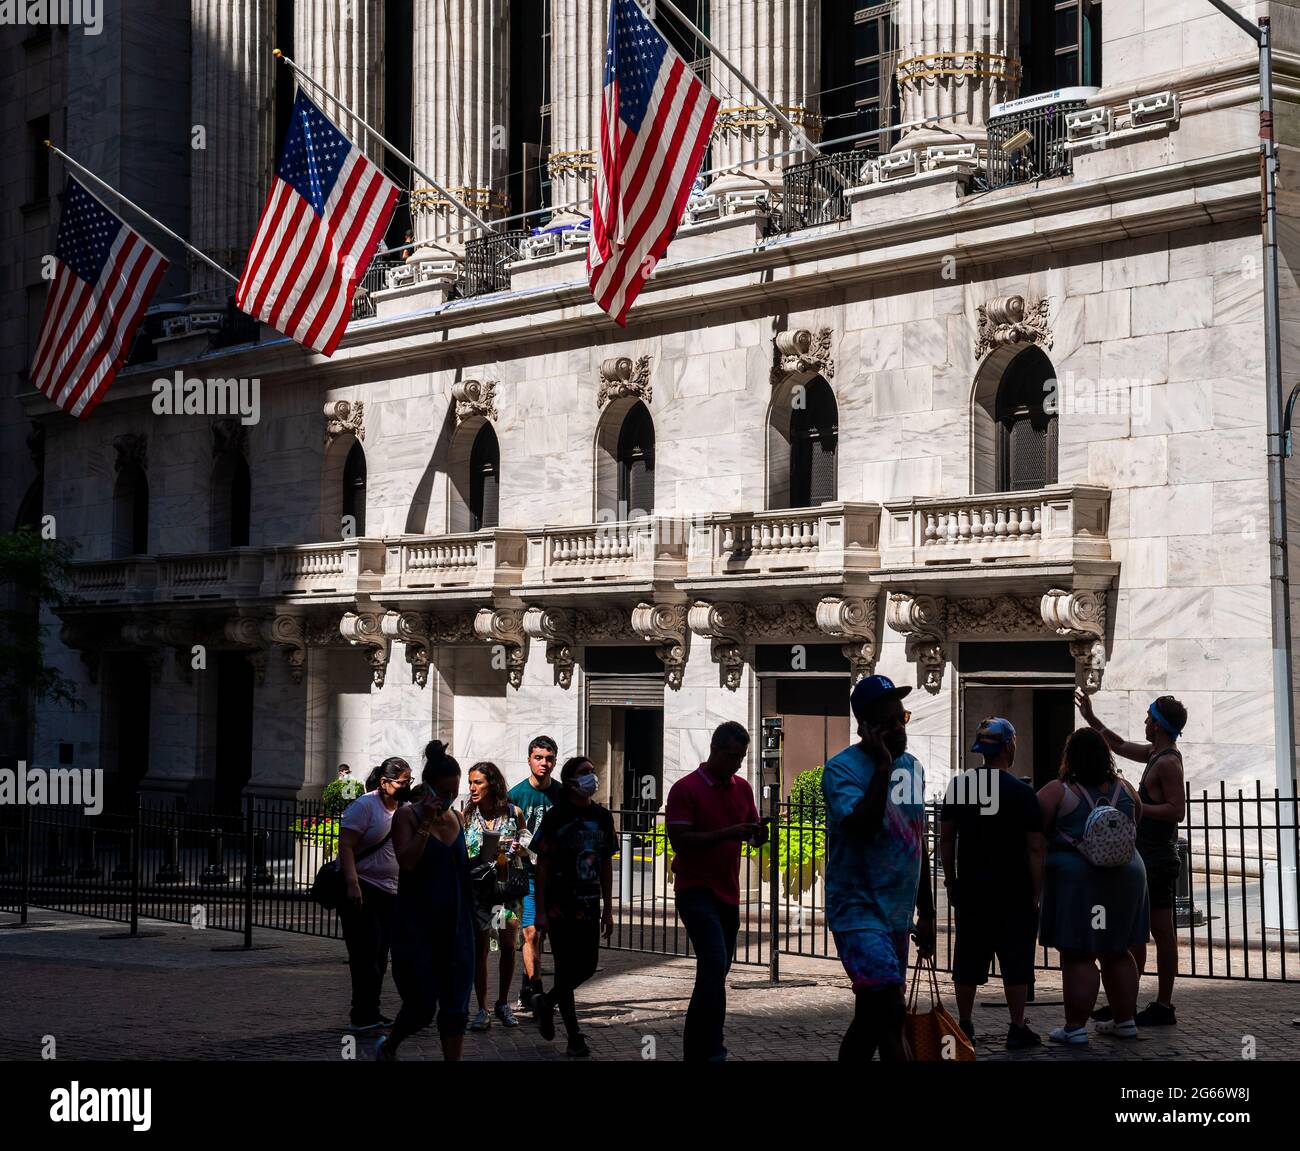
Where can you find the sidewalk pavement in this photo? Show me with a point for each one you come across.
(177, 993)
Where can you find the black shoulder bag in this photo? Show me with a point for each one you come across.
(330, 888)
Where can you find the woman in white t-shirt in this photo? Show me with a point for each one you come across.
(370, 871)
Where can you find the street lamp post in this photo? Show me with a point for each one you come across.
(1279, 580)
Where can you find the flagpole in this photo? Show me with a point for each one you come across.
(279, 55)
(781, 117)
(131, 204)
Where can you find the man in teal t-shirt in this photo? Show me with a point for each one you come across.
(877, 867)
(534, 795)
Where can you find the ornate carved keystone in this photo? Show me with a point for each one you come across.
(802, 352)
(1012, 320)
(344, 416)
(474, 398)
(622, 376)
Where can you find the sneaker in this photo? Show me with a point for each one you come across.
(525, 1000)
(384, 1052)
(506, 1016)
(1102, 1015)
(1073, 1036)
(1022, 1037)
(379, 1023)
(577, 1048)
(1126, 1030)
(482, 1021)
(967, 1029)
(544, 1014)
(1156, 1015)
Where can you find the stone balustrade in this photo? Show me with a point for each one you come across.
(830, 538)
(649, 549)
(483, 561)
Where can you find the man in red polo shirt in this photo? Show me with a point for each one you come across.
(709, 814)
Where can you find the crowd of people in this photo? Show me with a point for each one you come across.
(1088, 866)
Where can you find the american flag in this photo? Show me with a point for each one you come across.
(654, 128)
(327, 208)
(104, 276)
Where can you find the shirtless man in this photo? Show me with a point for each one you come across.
(1164, 802)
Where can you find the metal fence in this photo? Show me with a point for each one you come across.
(814, 192)
(1237, 914)
(375, 280)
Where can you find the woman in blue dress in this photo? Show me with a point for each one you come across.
(1091, 915)
(433, 928)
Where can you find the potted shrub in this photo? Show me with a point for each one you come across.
(316, 837)
(801, 840)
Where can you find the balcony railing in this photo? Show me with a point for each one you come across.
(486, 259)
(375, 280)
(313, 570)
(476, 561)
(829, 538)
(650, 549)
(210, 575)
(1050, 525)
(113, 581)
(814, 192)
(1044, 156)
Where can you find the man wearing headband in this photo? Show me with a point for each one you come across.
(1164, 802)
(992, 850)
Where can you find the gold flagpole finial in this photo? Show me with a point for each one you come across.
(277, 54)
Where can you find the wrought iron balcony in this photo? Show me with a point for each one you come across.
(1045, 155)
(814, 192)
(486, 258)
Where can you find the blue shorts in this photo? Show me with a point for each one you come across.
(874, 959)
(530, 904)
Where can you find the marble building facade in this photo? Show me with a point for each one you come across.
(460, 526)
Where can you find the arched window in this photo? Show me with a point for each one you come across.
(130, 512)
(1026, 424)
(484, 480)
(802, 442)
(354, 488)
(231, 498)
(636, 464)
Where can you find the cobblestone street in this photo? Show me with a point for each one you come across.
(175, 993)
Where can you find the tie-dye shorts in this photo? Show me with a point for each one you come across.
(874, 959)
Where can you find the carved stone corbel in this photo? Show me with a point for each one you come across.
(921, 619)
(245, 631)
(504, 627)
(1080, 617)
(853, 619)
(342, 417)
(412, 629)
(475, 398)
(557, 627)
(724, 625)
(665, 626)
(365, 630)
(1012, 320)
(622, 376)
(289, 632)
(802, 352)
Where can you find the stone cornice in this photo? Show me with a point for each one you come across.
(978, 228)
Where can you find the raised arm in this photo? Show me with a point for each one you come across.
(1117, 743)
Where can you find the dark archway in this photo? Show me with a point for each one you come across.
(485, 480)
(231, 502)
(1027, 437)
(803, 446)
(131, 512)
(354, 489)
(636, 464)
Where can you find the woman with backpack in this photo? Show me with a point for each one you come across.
(495, 833)
(1095, 903)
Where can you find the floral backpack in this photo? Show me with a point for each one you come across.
(1109, 836)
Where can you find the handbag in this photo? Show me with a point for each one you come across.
(329, 888)
(492, 890)
(933, 1035)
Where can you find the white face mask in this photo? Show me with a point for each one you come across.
(586, 784)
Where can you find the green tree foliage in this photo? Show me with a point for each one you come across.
(34, 572)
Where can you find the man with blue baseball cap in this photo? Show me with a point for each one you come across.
(992, 849)
(877, 868)
(1164, 803)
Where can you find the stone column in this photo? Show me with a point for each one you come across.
(460, 121)
(232, 99)
(951, 69)
(577, 85)
(341, 46)
(777, 45)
